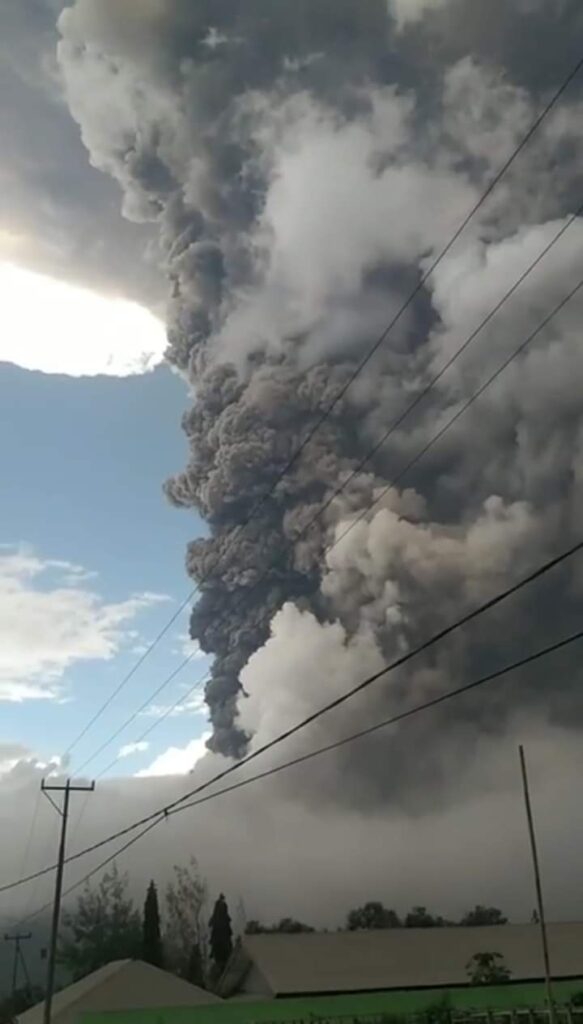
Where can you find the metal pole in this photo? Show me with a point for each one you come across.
(25, 970)
(18, 955)
(538, 886)
(64, 812)
(15, 965)
(56, 908)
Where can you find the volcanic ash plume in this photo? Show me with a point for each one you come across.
(304, 164)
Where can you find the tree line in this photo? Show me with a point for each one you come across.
(183, 938)
(182, 931)
(374, 915)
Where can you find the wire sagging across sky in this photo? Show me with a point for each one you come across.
(399, 662)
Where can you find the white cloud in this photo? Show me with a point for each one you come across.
(192, 704)
(188, 646)
(177, 760)
(55, 327)
(48, 623)
(407, 11)
(133, 748)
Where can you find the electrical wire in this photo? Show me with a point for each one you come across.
(335, 745)
(396, 479)
(126, 678)
(30, 834)
(463, 408)
(45, 850)
(393, 720)
(314, 716)
(329, 408)
(181, 700)
(139, 710)
(89, 874)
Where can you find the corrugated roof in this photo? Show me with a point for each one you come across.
(121, 985)
(407, 957)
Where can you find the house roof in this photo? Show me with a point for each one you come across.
(399, 958)
(122, 985)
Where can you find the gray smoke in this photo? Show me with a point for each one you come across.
(303, 164)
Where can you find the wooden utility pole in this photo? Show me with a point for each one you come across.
(18, 956)
(63, 811)
(538, 887)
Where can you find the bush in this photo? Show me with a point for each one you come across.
(438, 1012)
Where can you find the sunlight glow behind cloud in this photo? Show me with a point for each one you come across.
(55, 327)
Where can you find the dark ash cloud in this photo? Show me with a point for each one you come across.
(301, 170)
(58, 215)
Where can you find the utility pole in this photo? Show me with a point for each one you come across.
(538, 886)
(18, 956)
(63, 811)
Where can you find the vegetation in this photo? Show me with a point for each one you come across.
(104, 927)
(419, 918)
(371, 915)
(287, 926)
(221, 935)
(439, 1011)
(152, 950)
(375, 915)
(185, 938)
(487, 969)
(483, 915)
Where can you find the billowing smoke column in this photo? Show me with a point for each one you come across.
(303, 162)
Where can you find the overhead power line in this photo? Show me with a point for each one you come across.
(463, 408)
(126, 678)
(81, 881)
(442, 698)
(314, 716)
(329, 408)
(379, 495)
(182, 699)
(319, 751)
(168, 679)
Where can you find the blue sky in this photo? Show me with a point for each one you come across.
(89, 431)
(82, 460)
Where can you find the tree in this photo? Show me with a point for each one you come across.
(221, 934)
(186, 902)
(487, 969)
(104, 927)
(483, 916)
(195, 970)
(419, 918)
(372, 915)
(152, 951)
(287, 926)
(256, 928)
